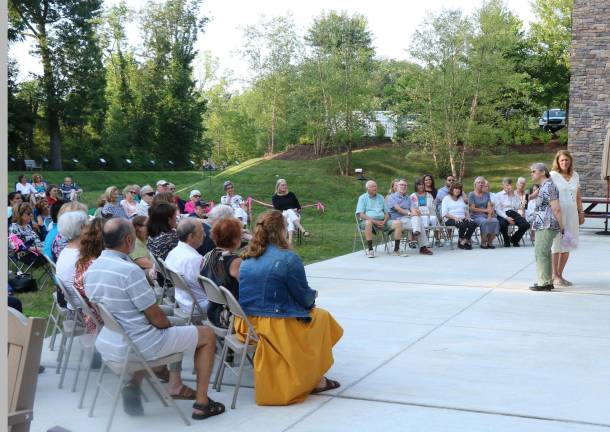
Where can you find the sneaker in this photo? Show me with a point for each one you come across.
(399, 254)
(425, 251)
(412, 244)
(370, 253)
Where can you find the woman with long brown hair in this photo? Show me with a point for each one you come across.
(296, 338)
(568, 183)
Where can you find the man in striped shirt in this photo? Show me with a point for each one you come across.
(117, 282)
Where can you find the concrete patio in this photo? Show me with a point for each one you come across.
(452, 342)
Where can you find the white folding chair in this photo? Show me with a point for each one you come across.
(57, 314)
(214, 295)
(378, 237)
(244, 349)
(134, 361)
(196, 315)
(73, 326)
(87, 341)
(168, 295)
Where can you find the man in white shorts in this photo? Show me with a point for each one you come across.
(117, 282)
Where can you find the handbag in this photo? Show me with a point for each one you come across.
(21, 283)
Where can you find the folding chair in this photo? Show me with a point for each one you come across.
(244, 349)
(72, 326)
(383, 236)
(194, 316)
(168, 294)
(447, 232)
(87, 342)
(214, 294)
(134, 361)
(57, 314)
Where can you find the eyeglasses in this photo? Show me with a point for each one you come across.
(534, 172)
(196, 196)
(133, 192)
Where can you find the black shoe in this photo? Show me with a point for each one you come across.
(537, 287)
(516, 244)
(96, 360)
(468, 246)
(491, 247)
(507, 244)
(461, 246)
(132, 400)
(40, 369)
(484, 247)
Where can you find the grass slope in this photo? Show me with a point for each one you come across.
(332, 231)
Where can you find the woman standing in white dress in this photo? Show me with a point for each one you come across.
(568, 184)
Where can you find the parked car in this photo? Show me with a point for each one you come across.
(552, 120)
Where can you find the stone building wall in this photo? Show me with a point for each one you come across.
(589, 111)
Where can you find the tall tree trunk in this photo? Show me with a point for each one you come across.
(473, 112)
(52, 105)
(272, 143)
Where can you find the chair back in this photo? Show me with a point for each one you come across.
(67, 296)
(236, 309)
(25, 337)
(212, 291)
(51, 264)
(109, 321)
(180, 284)
(160, 265)
(87, 311)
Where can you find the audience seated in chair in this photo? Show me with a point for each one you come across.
(162, 229)
(454, 211)
(295, 337)
(115, 281)
(236, 202)
(373, 216)
(405, 217)
(31, 247)
(287, 202)
(507, 210)
(482, 210)
(187, 262)
(221, 265)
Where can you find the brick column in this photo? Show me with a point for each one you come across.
(589, 111)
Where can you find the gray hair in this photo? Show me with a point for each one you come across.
(521, 180)
(369, 183)
(478, 179)
(115, 231)
(539, 166)
(220, 211)
(71, 223)
(186, 227)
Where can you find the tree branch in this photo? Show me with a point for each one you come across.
(27, 23)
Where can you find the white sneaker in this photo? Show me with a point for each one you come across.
(370, 253)
(399, 254)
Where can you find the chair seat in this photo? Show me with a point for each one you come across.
(237, 345)
(218, 331)
(134, 365)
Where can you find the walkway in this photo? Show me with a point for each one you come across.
(453, 342)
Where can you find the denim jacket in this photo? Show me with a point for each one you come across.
(274, 285)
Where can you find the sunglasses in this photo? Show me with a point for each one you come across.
(150, 194)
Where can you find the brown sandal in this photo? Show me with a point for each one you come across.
(162, 374)
(211, 409)
(185, 393)
(328, 385)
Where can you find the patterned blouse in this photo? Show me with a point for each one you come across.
(543, 217)
(79, 284)
(27, 235)
(114, 211)
(162, 244)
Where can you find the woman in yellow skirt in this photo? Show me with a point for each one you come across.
(296, 337)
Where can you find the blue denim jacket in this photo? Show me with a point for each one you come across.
(274, 285)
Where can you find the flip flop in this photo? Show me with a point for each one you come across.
(329, 385)
(185, 393)
(306, 233)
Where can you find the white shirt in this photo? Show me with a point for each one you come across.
(504, 202)
(187, 262)
(66, 268)
(455, 208)
(142, 208)
(25, 189)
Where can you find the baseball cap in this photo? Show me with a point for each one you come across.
(194, 192)
(162, 183)
(201, 203)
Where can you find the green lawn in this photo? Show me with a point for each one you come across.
(332, 231)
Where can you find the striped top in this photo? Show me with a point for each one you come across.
(116, 281)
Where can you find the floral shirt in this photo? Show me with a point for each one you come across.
(543, 217)
(114, 211)
(234, 201)
(162, 244)
(79, 284)
(27, 235)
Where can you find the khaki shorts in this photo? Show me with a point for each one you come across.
(178, 340)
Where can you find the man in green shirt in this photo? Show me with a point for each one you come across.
(372, 212)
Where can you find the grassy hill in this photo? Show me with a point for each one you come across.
(312, 180)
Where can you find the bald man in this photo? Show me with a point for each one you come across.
(373, 216)
(121, 286)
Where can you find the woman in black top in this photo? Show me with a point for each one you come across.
(221, 265)
(429, 185)
(288, 204)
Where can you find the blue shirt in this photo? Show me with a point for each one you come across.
(48, 241)
(402, 201)
(275, 285)
(374, 207)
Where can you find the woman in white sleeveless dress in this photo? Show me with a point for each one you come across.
(568, 184)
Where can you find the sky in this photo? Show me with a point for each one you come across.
(392, 24)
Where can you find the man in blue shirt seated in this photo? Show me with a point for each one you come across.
(372, 213)
(70, 190)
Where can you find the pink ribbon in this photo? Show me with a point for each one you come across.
(249, 203)
(320, 206)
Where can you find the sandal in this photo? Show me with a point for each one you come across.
(209, 410)
(306, 233)
(162, 374)
(185, 393)
(328, 385)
